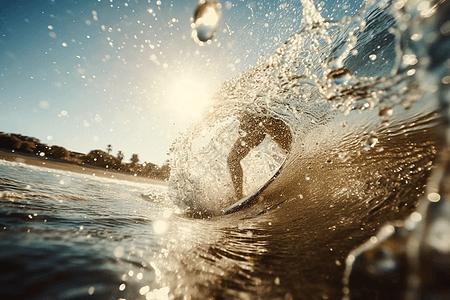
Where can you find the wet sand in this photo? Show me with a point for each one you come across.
(66, 166)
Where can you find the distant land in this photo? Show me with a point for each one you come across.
(98, 159)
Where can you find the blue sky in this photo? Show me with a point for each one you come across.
(85, 74)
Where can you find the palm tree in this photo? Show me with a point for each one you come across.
(134, 159)
(109, 148)
(120, 156)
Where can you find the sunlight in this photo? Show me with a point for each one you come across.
(188, 97)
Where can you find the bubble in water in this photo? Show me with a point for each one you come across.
(206, 20)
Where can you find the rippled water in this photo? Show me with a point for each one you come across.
(366, 134)
(65, 235)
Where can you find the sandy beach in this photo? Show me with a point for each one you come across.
(65, 166)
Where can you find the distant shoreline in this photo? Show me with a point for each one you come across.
(46, 162)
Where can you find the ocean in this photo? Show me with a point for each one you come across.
(66, 235)
(365, 145)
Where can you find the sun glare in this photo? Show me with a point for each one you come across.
(188, 97)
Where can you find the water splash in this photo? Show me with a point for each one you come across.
(419, 245)
(305, 83)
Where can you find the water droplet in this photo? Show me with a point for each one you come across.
(380, 149)
(445, 28)
(144, 290)
(119, 251)
(91, 290)
(277, 281)
(167, 213)
(385, 112)
(446, 80)
(206, 20)
(242, 133)
(160, 226)
(434, 197)
(370, 142)
(416, 217)
(339, 76)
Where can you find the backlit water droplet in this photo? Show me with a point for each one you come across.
(242, 133)
(206, 20)
(160, 226)
(385, 112)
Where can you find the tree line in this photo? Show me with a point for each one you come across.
(96, 158)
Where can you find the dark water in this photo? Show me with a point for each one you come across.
(65, 236)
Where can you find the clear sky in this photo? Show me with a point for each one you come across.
(88, 73)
